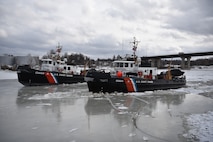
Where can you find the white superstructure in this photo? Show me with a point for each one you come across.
(131, 67)
(55, 64)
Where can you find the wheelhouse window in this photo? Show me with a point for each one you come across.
(126, 65)
(117, 65)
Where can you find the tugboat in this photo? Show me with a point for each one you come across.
(129, 75)
(52, 71)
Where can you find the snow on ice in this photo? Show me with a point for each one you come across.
(200, 127)
(5, 74)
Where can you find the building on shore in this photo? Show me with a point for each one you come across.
(12, 62)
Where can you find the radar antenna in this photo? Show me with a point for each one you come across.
(135, 45)
(58, 50)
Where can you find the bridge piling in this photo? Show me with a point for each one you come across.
(156, 60)
(183, 63)
(188, 62)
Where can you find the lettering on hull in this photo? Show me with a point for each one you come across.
(144, 81)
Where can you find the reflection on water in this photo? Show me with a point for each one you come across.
(119, 110)
(154, 115)
(49, 98)
(103, 104)
(97, 106)
(138, 113)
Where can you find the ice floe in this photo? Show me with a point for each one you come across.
(73, 130)
(5, 74)
(122, 108)
(132, 134)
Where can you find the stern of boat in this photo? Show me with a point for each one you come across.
(97, 81)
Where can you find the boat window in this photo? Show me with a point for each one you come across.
(131, 64)
(65, 68)
(50, 62)
(117, 64)
(121, 64)
(68, 68)
(126, 64)
(54, 63)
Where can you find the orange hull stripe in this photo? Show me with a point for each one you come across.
(50, 78)
(129, 84)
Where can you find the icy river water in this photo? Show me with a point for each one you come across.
(69, 113)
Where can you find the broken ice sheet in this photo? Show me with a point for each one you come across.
(72, 130)
(145, 138)
(122, 112)
(132, 134)
(34, 128)
(123, 126)
(122, 108)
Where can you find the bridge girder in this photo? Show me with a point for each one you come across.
(156, 60)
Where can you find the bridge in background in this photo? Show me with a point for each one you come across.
(185, 58)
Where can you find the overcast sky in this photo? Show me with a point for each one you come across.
(103, 28)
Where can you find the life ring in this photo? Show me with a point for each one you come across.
(119, 74)
(59, 69)
(140, 73)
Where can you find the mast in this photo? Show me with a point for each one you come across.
(58, 50)
(135, 45)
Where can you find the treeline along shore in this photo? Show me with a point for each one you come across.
(11, 62)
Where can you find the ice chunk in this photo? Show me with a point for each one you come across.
(73, 130)
(123, 108)
(123, 126)
(34, 128)
(122, 112)
(132, 134)
(44, 104)
(200, 126)
(145, 138)
(28, 107)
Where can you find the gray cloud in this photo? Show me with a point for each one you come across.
(196, 16)
(102, 29)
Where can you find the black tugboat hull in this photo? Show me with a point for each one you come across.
(101, 83)
(112, 86)
(32, 77)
